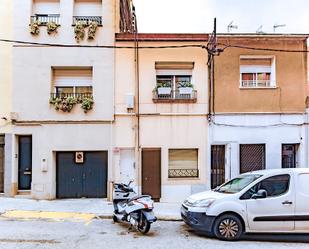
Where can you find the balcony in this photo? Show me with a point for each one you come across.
(44, 19)
(88, 19)
(183, 173)
(74, 95)
(256, 84)
(174, 97)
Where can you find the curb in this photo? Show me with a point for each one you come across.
(161, 218)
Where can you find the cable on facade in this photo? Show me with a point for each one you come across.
(260, 49)
(259, 126)
(102, 46)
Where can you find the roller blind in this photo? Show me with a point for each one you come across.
(87, 8)
(72, 77)
(182, 158)
(174, 65)
(46, 7)
(256, 61)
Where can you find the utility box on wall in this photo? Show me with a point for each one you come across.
(130, 101)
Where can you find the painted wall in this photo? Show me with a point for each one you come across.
(168, 125)
(269, 129)
(291, 69)
(5, 64)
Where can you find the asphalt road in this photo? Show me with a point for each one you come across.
(105, 234)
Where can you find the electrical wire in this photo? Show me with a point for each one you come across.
(261, 49)
(102, 46)
(260, 126)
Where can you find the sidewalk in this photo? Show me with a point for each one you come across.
(96, 207)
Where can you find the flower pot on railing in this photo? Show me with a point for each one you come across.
(185, 90)
(164, 90)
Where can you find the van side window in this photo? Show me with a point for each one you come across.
(274, 186)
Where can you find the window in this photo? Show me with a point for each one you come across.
(257, 72)
(237, 184)
(72, 82)
(274, 186)
(252, 157)
(289, 155)
(174, 82)
(88, 10)
(45, 11)
(182, 163)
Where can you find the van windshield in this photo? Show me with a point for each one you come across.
(237, 184)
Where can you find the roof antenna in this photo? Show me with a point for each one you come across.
(278, 26)
(231, 26)
(259, 30)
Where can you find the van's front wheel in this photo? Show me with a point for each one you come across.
(228, 227)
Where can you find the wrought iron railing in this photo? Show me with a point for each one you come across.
(87, 19)
(74, 95)
(256, 83)
(44, 19)
(183, 173)
(175, 95)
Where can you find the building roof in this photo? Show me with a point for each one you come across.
(203, 36)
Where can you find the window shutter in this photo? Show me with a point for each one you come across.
(72, 77)
(183, 159)
(46, 7)
(87, 8)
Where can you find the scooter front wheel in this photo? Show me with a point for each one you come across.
(144, 225)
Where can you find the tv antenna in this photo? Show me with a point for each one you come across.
(278, 26)
(259, 30)
(231, 26)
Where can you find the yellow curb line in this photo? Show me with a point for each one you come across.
(21, 214)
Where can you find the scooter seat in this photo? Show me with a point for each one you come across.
(138, 197)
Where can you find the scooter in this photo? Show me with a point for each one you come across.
(132, 208)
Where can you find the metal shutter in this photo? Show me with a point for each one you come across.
(252, 157)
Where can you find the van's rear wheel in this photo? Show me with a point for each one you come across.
(228, 227)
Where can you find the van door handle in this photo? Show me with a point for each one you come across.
(287, 203)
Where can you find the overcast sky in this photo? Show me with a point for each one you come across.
(194, 16)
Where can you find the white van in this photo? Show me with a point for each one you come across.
(266, 201)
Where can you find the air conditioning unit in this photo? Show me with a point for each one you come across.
(79, 157)
(14, 116)
(130, 101)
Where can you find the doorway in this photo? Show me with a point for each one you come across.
(217, 165)
(151, 173)
(24, 162)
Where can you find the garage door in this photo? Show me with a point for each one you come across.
(82, 178)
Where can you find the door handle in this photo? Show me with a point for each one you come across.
(27, 173)
(287, 203)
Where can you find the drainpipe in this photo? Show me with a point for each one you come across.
(137, 106)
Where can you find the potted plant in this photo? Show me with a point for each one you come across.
(79, 30)
(34, 27)
(52, 27)
(164, 88)
(87, 104)
(92, 29)
(185, 87)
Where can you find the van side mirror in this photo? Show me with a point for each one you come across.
(261, 194)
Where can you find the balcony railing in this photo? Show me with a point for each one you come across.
(256, 83)
(183, 173)
(44, 19)
(174, 97)
(87, 19)
(74, 95)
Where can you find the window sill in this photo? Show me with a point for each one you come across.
(258, 88)
(174, 101)
(99, 25)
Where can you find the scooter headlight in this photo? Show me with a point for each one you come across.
(204, 203)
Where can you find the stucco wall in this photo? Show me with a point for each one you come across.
(168, 125)
(290, 92)
(5, 64)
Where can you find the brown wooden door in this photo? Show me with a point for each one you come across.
(151, 173)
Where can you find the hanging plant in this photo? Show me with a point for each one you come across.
(64, 104)
(34, 27)
(79, 30)
(52, 27)
(93, 25)
(87, 104)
